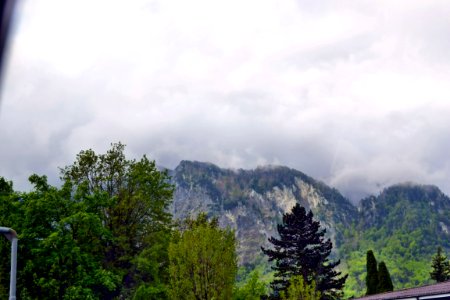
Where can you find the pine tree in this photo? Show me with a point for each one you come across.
(384, 279)
(441, 267)
(372, 273)
(303, 250)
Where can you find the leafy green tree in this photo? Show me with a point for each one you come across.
(372, 273)
(135, 212)
(151, 292)
(440, 267)
(303, 250)
(203, 261)
(104, 234)
(60, 246)
(384, 279)
(299, 290)
(253, 289)
(8, 212)
(6, 187)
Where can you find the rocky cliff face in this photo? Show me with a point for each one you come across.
(252, 202)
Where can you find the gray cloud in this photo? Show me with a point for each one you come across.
(354, 94)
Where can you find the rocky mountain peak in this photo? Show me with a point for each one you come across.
(252, 202)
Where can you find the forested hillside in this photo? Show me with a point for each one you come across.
(404, 225)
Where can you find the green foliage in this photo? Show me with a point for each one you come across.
(151, 292)
(299, 290)
(405, 272)
(101, 235)
(6, 187)
(60, 244)
(372, 274)
(440, 267)
(403, 224)
(252, 289)
(137, 197)
(203, 261)
(384, 279)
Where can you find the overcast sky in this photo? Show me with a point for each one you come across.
(354, 93)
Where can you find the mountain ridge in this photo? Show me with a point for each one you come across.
(403, 224)
(239, 197)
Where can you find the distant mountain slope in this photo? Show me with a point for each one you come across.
(252, 201)
(403, 225)
(417, 205)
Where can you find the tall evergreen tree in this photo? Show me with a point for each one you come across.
(372, 273)
(303, 250)
(440, 266)
(384, 279)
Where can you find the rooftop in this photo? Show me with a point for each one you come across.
(439, 291)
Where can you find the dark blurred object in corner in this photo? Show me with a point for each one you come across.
(6, 12)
